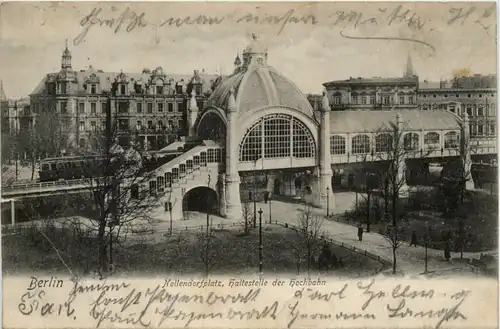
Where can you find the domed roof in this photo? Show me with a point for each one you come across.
(66, 53)
(258, 85)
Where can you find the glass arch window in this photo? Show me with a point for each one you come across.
(360, 144)
(411, 141)
(212, 128)
(431, 138)
(451, 140)
(277, 136)
(337, 144)
(383, 143)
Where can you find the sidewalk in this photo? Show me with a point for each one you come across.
(409, 260)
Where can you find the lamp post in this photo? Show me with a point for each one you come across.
(327, 201)
(170, 211)
(254, 197)
(426, 243)
(270, 219)
(260, 241)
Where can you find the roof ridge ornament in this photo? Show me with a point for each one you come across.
(231, 102)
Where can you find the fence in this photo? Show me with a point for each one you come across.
(384, 263)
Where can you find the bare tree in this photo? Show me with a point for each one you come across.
(247, 216)
(310, 229)
(207, 245)
(453, 182)
(120, 189)
(394, 144)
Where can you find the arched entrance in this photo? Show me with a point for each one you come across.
(201, 199)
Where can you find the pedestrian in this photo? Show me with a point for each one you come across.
(360, 233)
(413, 241)
(447, 251)
(266, 196)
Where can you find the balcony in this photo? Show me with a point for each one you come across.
(155, 130)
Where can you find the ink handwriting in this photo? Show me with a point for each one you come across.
(122, 302)
(397, 16)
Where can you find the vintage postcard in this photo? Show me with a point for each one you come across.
(249, 165)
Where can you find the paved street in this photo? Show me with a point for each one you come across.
(410, 260)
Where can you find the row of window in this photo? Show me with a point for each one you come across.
(457, 95)
(124, 124)
(124, 107)
(477, 109)
(482, 129)
(364, 100)
(211, 156)
(157, 90)
(122, 89)
(361, 144)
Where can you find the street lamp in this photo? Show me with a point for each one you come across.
(269, 198)
(254, 196)
(327, 201)
(260, 241)
(426, 243)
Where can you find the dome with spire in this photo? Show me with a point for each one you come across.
(66, 53)
(256, 46)
(257, 85)
(66, 58)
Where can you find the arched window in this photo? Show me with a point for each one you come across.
(337, 144)
(411, 141)
(212, 127)
(168, 179)
(360, 144)
(160, 182)
(383, 143)
(451, 140)
(196, 161)
(189, 166)
(277, 136)
(354, 98)
(211, 155)
(431, 138)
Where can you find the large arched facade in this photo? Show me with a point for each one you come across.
(277, 136)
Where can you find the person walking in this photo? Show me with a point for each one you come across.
(413, 241)
(360, 233)
(447, 251)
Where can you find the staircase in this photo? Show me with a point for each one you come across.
(198, 162)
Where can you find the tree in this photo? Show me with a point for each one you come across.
(119, 188)
(393, 145)
(453, 182)
(207, 246)
(247, 216)
(309, 229)
(47, 137)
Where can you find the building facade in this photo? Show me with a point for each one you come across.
(149, 108)
(478, 100)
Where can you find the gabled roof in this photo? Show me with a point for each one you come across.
(374, 121)
(107, 78)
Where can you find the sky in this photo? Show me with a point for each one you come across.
(310, 44)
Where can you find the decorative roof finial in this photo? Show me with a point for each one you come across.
(231, 102)
(193, 106)
(325, 103)
(66, 43)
